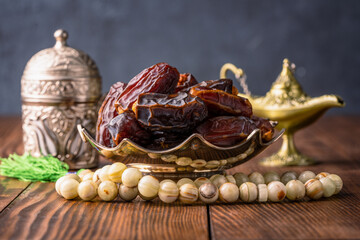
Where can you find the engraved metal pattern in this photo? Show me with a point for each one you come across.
(60, 88)
(52, 130)
(165, 162)
(60, 73)
(288, 104)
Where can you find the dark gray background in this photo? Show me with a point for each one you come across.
(124, 37)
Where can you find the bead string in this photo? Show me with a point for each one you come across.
(116, 179)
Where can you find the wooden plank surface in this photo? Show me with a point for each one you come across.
(37, 212)
(334, 143)
(10, 142)
(9, 189)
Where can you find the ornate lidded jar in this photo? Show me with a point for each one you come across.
(60, 89)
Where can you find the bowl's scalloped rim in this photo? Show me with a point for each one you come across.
(86, 136)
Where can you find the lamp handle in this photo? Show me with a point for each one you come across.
(239, 75)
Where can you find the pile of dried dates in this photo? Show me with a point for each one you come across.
(160, 107)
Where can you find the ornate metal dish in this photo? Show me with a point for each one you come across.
(194, 157)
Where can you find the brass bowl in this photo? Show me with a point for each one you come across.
(194, 157)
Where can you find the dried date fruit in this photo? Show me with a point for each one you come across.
(226, 131)
(267, 130)
(161, 140)
(235, 91)
(223, 103)
(223, 84)
(186, 80)
(125, 125)
(106, 113)
(179, 112)
(159, 78)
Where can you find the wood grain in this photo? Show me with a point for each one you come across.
(10, 136)
(336, 149)
(10, 142)
(9, 189)
(39, 213)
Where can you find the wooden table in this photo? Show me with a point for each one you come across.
(35, 211)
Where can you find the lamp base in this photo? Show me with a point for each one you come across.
(293, 159)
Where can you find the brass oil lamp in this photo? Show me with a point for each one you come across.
(290, 106)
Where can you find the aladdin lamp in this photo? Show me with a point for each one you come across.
(290, 106)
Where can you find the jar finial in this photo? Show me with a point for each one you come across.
(60, 36)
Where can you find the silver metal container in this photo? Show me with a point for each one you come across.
(60, 88)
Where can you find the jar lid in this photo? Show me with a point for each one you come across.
(59, 74)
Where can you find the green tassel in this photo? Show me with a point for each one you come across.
(34, 169)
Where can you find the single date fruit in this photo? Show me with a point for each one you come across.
(179, 112)
(106, 113)
(125, 125)
(267, 130)
(186, 80)
(223, 84)
(226, 131)
(159, 78)
(223, 103)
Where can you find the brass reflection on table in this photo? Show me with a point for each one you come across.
(291, 107)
